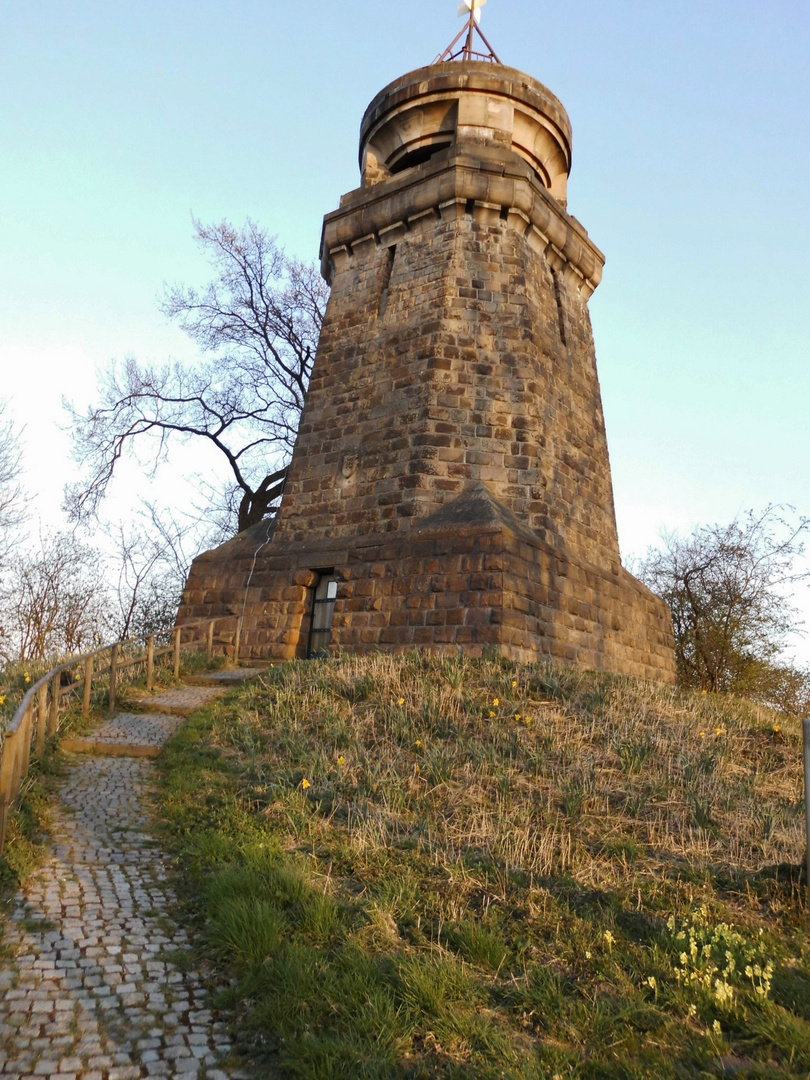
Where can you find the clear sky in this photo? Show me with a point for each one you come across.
(691, 160)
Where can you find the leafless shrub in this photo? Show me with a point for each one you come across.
(728, 589)
(52, 601)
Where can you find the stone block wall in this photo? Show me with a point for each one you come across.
(470, 579)
(457, 354)
(451, 466)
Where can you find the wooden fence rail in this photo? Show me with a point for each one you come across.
(37, 716)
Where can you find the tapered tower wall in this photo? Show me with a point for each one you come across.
(451, 466)
(454, 355)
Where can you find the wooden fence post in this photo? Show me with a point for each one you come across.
(53, 718)
(88, 686)
(17, 757)
(42, 717)
(7, 793)
(16, 749)
(25, 726)
(806, 734)
(113, 674)
(150, 661)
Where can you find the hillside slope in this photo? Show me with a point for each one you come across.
(416, 867)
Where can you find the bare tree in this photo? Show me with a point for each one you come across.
(728, 587)
(51, 601)
(149, 568)
(12, 503)
(66, 596)
(213, 512)
(257, 323)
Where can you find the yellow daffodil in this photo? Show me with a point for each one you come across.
(496, 703)
(491, 714)
(27, 677)
(305, 784)
(2, 699)
(401, 701)
(514, 684)
(719, 731)
(528, 719)
(341, 760)
(517, 716)
(418, 743)
(703, 734)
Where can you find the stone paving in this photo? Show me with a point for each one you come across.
(127, 733)
(98, 987)
(180, 702)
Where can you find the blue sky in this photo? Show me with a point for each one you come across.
(690, 164)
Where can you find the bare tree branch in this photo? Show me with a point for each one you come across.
(258, 321)
(149, 569)
(12, 500)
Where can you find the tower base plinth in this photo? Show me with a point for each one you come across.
(469, 579)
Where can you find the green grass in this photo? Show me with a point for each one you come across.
(416, 867)
(27, 832)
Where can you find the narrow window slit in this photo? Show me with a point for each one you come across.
(560, 309)
(388, 267)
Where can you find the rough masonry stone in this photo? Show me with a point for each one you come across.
(451, 466)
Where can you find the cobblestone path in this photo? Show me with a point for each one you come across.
(98, 986)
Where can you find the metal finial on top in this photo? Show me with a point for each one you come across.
(472, 9)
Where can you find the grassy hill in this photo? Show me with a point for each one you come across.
(416, 867)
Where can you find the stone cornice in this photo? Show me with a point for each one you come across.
(448, 187)
(470, 76)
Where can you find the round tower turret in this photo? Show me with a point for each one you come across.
(473, 107)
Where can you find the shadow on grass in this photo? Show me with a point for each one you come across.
(369, 921)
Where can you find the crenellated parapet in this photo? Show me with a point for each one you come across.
(456, 185)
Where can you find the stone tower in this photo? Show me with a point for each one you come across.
(450, 486)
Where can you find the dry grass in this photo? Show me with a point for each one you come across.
(691, 781)
(530, 831)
